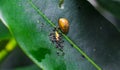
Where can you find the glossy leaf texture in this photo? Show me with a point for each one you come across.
(113, 6)
(4, 32)
(96, 36)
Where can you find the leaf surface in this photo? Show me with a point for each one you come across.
(113, 6)
(90, 31)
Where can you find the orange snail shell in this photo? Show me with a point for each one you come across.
(63, 25)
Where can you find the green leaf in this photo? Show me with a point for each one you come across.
(8, 47)
(30, 67)
(4, 32)
(32, 22)
(112, 6)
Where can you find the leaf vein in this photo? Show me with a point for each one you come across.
(66, 37)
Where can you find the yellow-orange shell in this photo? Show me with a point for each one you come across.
(63, 25)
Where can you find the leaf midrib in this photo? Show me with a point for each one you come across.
(66, 37)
